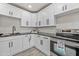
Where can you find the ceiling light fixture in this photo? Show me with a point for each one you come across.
(30, 6)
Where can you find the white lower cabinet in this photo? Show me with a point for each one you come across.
(11, 46)
(43, 44)
(16, 45)
(5, 48)
(25, 42)
(37, 42)
(32, 40)
(28, 41)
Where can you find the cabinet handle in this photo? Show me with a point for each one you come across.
(9, 12)
(26, 22)
(65, 7)
(12, 13)
(29, 38)
(47, 21)
(9, 44)
(39, 23)
(41, 42)
(12, 44)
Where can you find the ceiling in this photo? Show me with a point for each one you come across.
(33, 7)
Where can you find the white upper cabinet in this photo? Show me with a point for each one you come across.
(46, 16)
(72, 6)
(33, 21)
(29, 19)
(26, 18)
(4, 9)
(64, 7)
(59, 8)
(40, 19)
(16, 12)
(9, 10)
(50, 20)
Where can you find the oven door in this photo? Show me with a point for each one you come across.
(58, 48)
(62, 49)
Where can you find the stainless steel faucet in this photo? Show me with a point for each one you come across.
(13, 29)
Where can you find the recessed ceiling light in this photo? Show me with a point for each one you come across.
(30, 6)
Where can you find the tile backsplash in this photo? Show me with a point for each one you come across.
(70, 21)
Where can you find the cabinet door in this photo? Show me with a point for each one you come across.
(16, 45)
(25, 42)
(45, 20)
(40, 19)
(46, 45)
(4, 9)
(9, 10)
(4, 48)
(32, 40)
(72, 6)
(15, 12)
(26, 18)
(33, 19)
(29, 19)
(59, 8)
(37, 42)
(43, 44)
(52, 20)
(51, 15)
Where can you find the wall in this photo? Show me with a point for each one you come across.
(6, 24)
(70, 21)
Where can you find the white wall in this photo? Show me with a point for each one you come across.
(6, 24)
(70, 21)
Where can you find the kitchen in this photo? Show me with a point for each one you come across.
(51, 29)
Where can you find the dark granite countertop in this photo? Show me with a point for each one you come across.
(58, 37)
(9, 35)
(44, 34)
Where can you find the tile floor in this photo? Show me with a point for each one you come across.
(30, 52)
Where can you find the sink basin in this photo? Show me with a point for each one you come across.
(9, 34)
(14, 33)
